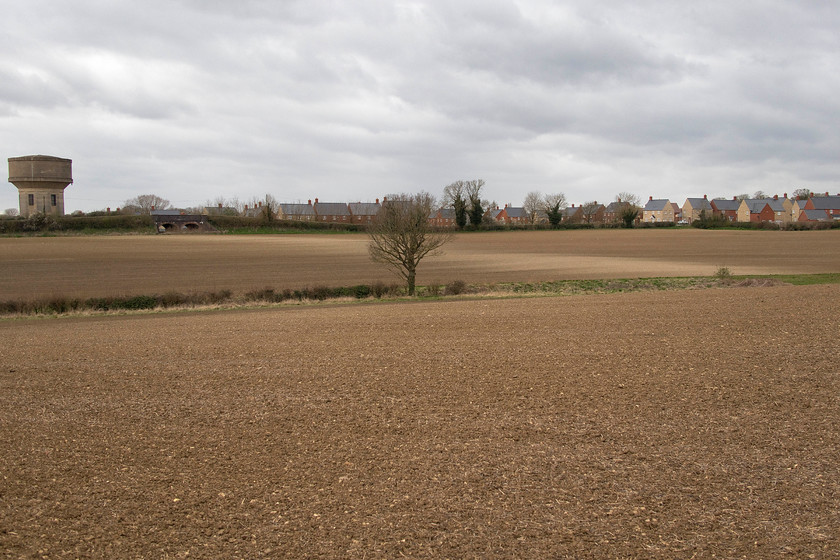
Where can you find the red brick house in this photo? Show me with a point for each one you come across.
(510, 215)
(726, 208)
(331, 212)
(363, 212)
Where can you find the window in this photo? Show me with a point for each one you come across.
(52, 199)
(31, 200)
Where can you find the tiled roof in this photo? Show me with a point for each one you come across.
(826, 202)
(699, 203)
(331, 209)
(727, 205)
(364, 208)
(656, 204)
(289, 209)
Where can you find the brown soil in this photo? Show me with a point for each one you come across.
(645, 425)
(129, 265)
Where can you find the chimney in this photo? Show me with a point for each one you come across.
(785, 195)
(220, 206)
(704, 197)
(309, 202)
(573, 204)
(109, 210)
(619, 200)
(261, 204)
(650, 198)
(316, 200)
(377, 201)
(246, 207)
(775, 197)
(118, 210)
(505, 206)
(153, 208)
(384, 199)
(734, 198)
(826, 193)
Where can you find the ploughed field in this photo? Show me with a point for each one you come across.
(677, 424)
(143, 265)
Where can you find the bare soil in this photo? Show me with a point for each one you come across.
(691, 424)
(32, 268)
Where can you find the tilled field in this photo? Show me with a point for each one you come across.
(99, 266)
(645, 425)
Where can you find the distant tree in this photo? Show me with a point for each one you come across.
(760, 194)
(553, 205)
(743, 196)
(145, 203)
(628, 197)
(269, 209)
(400, 235)
(475, 208)
(229, 207)
(629, 209)
(532, 205)
(454, 196)
(589, 210)
(802, 194)
(11, 212)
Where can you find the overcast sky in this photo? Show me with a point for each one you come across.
(350, 101)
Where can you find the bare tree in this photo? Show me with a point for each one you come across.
(760, 194)
(553, 205)
(532, 205)
(400, 235)
(11, 212)
(590, 210)
(628, 197)
(145, 203)
(802, 194)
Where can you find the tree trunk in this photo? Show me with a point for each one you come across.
(412, 275)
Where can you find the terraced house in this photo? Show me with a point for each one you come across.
(766, 210)
(295, 211)
(331, 211)
(828, 205)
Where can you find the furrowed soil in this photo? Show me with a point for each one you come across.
(682, 424)
(100, 266)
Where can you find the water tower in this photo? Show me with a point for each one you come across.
(41, 181)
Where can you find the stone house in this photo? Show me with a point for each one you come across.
(658, 210)
(765, 210)
(693, 208)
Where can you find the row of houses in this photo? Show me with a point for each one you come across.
(775, 209)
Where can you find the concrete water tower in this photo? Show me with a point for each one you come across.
(41, 181)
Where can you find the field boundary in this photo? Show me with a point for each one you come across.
(226, 299)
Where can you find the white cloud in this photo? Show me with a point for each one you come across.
(196, 99)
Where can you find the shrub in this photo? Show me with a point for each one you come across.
(434, 290)
(139, 302)
(723, 273)
(455, 288)
(361, 291)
